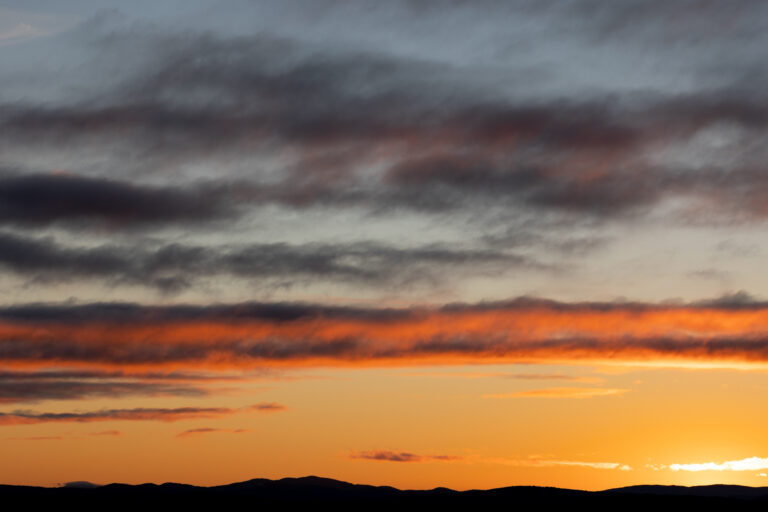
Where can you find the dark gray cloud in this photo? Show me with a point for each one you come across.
(390, 456)
(16, 387)
(126, 313)
(208, 125)
(442, 147)
(176, 266)
(22, 417)
(379, 132)
(19, 386)
(44, 199)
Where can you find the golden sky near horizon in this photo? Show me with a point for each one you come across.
(463, 426)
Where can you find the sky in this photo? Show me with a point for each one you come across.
(416, 243)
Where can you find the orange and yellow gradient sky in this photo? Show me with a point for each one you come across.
(526, 392)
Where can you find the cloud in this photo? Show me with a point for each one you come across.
(106, 433)
(21, 417)
(749, 464)
(539, 463)
(434, 141)
(209, 430)
(202, 430)
(16, 387)
(173, 267)
(44, 199)
(561, 393)
(390, 456)
(268, 407)
(534, 462)
(257, 335)
(91, 374)
(503, 375)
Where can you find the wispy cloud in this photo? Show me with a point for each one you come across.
(748, 464)
(107, 433)
(268, 407)
(174, 267)
(16, 388)
(391, 456)
(560, 393)
(532, 462)
(542, 463)
(22, 417)
(504, 375)
(210, 430)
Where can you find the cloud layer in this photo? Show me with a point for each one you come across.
(22, 417)
(172, 267)
(252, 335)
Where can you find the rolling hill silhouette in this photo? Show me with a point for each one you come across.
(313, 491)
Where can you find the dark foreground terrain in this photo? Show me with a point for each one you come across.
(322, 493)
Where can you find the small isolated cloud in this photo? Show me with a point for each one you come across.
(544, 463)
(268, 407)
(561, 393)
(749, 464)
(210, 430)
(107, 433)
(390, 456)
(202, 430)
(595, 465)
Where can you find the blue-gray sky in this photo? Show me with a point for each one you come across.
(381, 151)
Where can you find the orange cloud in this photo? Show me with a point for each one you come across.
(521, 330)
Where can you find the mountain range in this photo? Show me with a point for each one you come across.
(315, 491)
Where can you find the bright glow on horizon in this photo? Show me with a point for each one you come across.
(749, 464)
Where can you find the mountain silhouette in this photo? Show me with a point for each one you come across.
(260, 493)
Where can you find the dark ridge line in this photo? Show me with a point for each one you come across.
(330, 484)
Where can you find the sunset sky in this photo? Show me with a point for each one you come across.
(415, 243)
